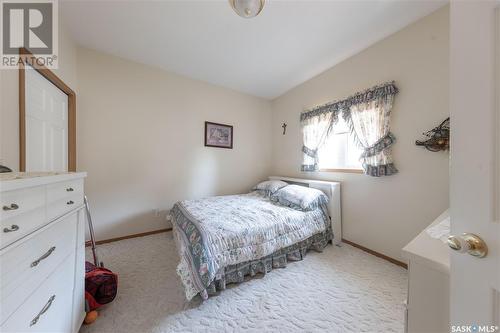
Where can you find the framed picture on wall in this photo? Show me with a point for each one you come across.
(218, 135)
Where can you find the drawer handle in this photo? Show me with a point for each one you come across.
(69, 189)
(45, 308)
(70, 202)
(48, 253)
(12, 228)
(11, 207)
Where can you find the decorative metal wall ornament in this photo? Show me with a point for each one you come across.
(438, 138)
(284, 128)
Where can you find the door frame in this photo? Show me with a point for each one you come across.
(27, 57)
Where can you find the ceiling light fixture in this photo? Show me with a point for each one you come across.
(247, 8)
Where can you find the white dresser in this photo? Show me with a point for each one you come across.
(428, 283)
(42, 252)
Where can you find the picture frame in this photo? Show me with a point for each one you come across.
(218, 135)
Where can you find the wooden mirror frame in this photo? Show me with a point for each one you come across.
(28, 57)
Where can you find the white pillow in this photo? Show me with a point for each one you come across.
(300, 197)
(268, 187)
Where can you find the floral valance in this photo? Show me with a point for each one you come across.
(379, 91)
(367, 114)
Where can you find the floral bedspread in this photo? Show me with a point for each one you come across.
(216, 232)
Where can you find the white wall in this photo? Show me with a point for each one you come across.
(140, 137)
(9, 98)
(383, 214)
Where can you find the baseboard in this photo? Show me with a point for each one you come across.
(377, 254)
(142, 234)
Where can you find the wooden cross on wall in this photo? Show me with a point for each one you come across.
(284, 128)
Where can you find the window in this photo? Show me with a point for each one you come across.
(340, 151)
(334, 148)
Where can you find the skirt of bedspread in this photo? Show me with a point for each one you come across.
(279, 259)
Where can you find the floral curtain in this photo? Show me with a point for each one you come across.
(370, 122)
(368, 115)
(315, 130)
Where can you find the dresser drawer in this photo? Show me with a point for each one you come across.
(18, 226)
(49, 308)
(63, 205)
(61, 190)
(26, 265)
(14, 203)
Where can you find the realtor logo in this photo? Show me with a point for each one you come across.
(30, 25)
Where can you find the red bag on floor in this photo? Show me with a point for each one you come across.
(101, 286)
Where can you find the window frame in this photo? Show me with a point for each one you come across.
(356, 170)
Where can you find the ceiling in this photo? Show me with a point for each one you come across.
(287, 44)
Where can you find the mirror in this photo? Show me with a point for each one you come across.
(47, 115)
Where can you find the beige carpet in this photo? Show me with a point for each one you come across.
(342, 289)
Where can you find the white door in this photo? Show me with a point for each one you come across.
(475, 162)
(46, 113)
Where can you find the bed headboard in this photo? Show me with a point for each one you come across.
(332, 190)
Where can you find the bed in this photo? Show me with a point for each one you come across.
(223, 239)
